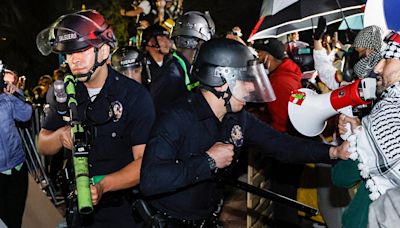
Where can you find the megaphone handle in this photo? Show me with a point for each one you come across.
(348, 112)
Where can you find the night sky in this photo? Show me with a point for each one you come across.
(21, 20)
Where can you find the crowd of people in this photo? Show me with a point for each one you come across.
(165, 118)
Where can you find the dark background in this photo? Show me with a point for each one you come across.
(21, 20)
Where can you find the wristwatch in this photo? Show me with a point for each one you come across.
(211, 162)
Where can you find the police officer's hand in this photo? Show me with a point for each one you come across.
(96, 191)
(222, 154)
(343, 120)
(65, 137)
(340, 151)
(10, 88)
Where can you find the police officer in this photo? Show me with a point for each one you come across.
(166, 76)
(128, 61)
(117, 112)
(191, 30)
(200, 134)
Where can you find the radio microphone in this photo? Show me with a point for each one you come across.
(61, 97)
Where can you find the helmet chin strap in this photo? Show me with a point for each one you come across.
(157, 46)
(220, 94)
(96, 64)
(194, 57)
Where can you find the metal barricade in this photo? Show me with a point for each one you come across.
(36, 163)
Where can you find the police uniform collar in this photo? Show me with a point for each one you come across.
(108, 88)
(111, 79)
(204, 110)
(201, 106)
(166, 58)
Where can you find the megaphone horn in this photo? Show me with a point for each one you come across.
(308, 111)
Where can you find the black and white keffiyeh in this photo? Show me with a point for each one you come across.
(392, 51)
(369, 37)
(377, 144)
(365, 65)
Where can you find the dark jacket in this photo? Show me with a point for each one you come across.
(175, 168)
(11, 148)
(167, 83)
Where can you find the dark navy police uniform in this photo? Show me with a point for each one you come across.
(111, 141)
(167, 83)
(175, 170)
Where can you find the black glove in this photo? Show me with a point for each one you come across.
(321, 28)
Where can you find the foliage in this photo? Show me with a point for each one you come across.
(111, 11)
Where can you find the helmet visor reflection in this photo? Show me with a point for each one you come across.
(63, 40)
(249, 84)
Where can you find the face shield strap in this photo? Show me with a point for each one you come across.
(227, 99)
(157, 46)
(194, 57)
(219, 94)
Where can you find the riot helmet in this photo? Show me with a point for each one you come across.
(127, 60)
(192, 27)
(76, 32)
(223, 61)
(152, 32)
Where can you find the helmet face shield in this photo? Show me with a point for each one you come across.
(76, 32)
(61, 40)
(45, 40)
(249, 84)
(126, 58)
(133, 73)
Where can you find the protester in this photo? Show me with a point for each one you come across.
(374, 142)
(358, 63)
(13, 170)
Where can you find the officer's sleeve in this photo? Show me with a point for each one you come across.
(143, 115)
(53, 120)
(283, 147)
(161, 171)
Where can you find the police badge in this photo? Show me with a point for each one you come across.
(237, 136)
(117, 110)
